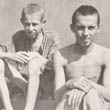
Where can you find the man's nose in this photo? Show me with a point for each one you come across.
(85, 32)
(31, 28)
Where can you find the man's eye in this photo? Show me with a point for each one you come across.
(27, 24)
(81, 27)
(91, 27)
(34, 24)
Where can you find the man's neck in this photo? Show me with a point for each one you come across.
(36, 42)
(38, 36)
(83, 50)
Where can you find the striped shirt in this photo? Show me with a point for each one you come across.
(20, 42)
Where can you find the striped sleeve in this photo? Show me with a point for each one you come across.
(3, 47)
(52, 43)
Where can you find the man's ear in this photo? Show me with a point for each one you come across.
(21, 20)
(99, 28)
(72, 27)
(43, 21)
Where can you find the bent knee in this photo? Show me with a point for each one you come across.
(91, 97)
(34, 66)
(93, 101)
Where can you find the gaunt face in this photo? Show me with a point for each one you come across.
(85, 29)
(32, 25)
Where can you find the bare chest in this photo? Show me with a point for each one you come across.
(89, 66)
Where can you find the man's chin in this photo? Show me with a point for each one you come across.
(31, 36)
(86, 44)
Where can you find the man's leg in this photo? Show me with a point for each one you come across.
(92, 101)
(3, 87)
(34, 67)
(15, 77)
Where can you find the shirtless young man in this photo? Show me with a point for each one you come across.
(77, 71)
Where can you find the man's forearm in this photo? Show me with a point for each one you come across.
(58, 93)
(7, 55)
(104, 91)
(70, 83)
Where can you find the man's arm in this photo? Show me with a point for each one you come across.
(7, 51)
(55, 43)
(104, 89)
(50, 46)
(86, 84)
(59, 75)
(21, 57)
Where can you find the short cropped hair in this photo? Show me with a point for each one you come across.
(31, 9)
(85, 10)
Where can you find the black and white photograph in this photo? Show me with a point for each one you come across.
(54, 55)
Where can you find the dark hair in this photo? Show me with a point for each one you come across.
(85, 10)
(32, 8)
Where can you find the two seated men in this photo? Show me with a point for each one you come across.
(76, 72)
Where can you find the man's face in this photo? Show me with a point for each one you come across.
(85, 29)
(32, 25)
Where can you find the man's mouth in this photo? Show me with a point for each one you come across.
(86, 40)
(30, 33)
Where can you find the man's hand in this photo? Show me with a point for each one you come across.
(83, 84)
(74, 98)
(70, 83)
(21, 57)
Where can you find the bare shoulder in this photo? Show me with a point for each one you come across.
(59, 59)
(102, 49)
(104, 52)
(67, 51)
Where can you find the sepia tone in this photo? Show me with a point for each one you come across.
(58, 15)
